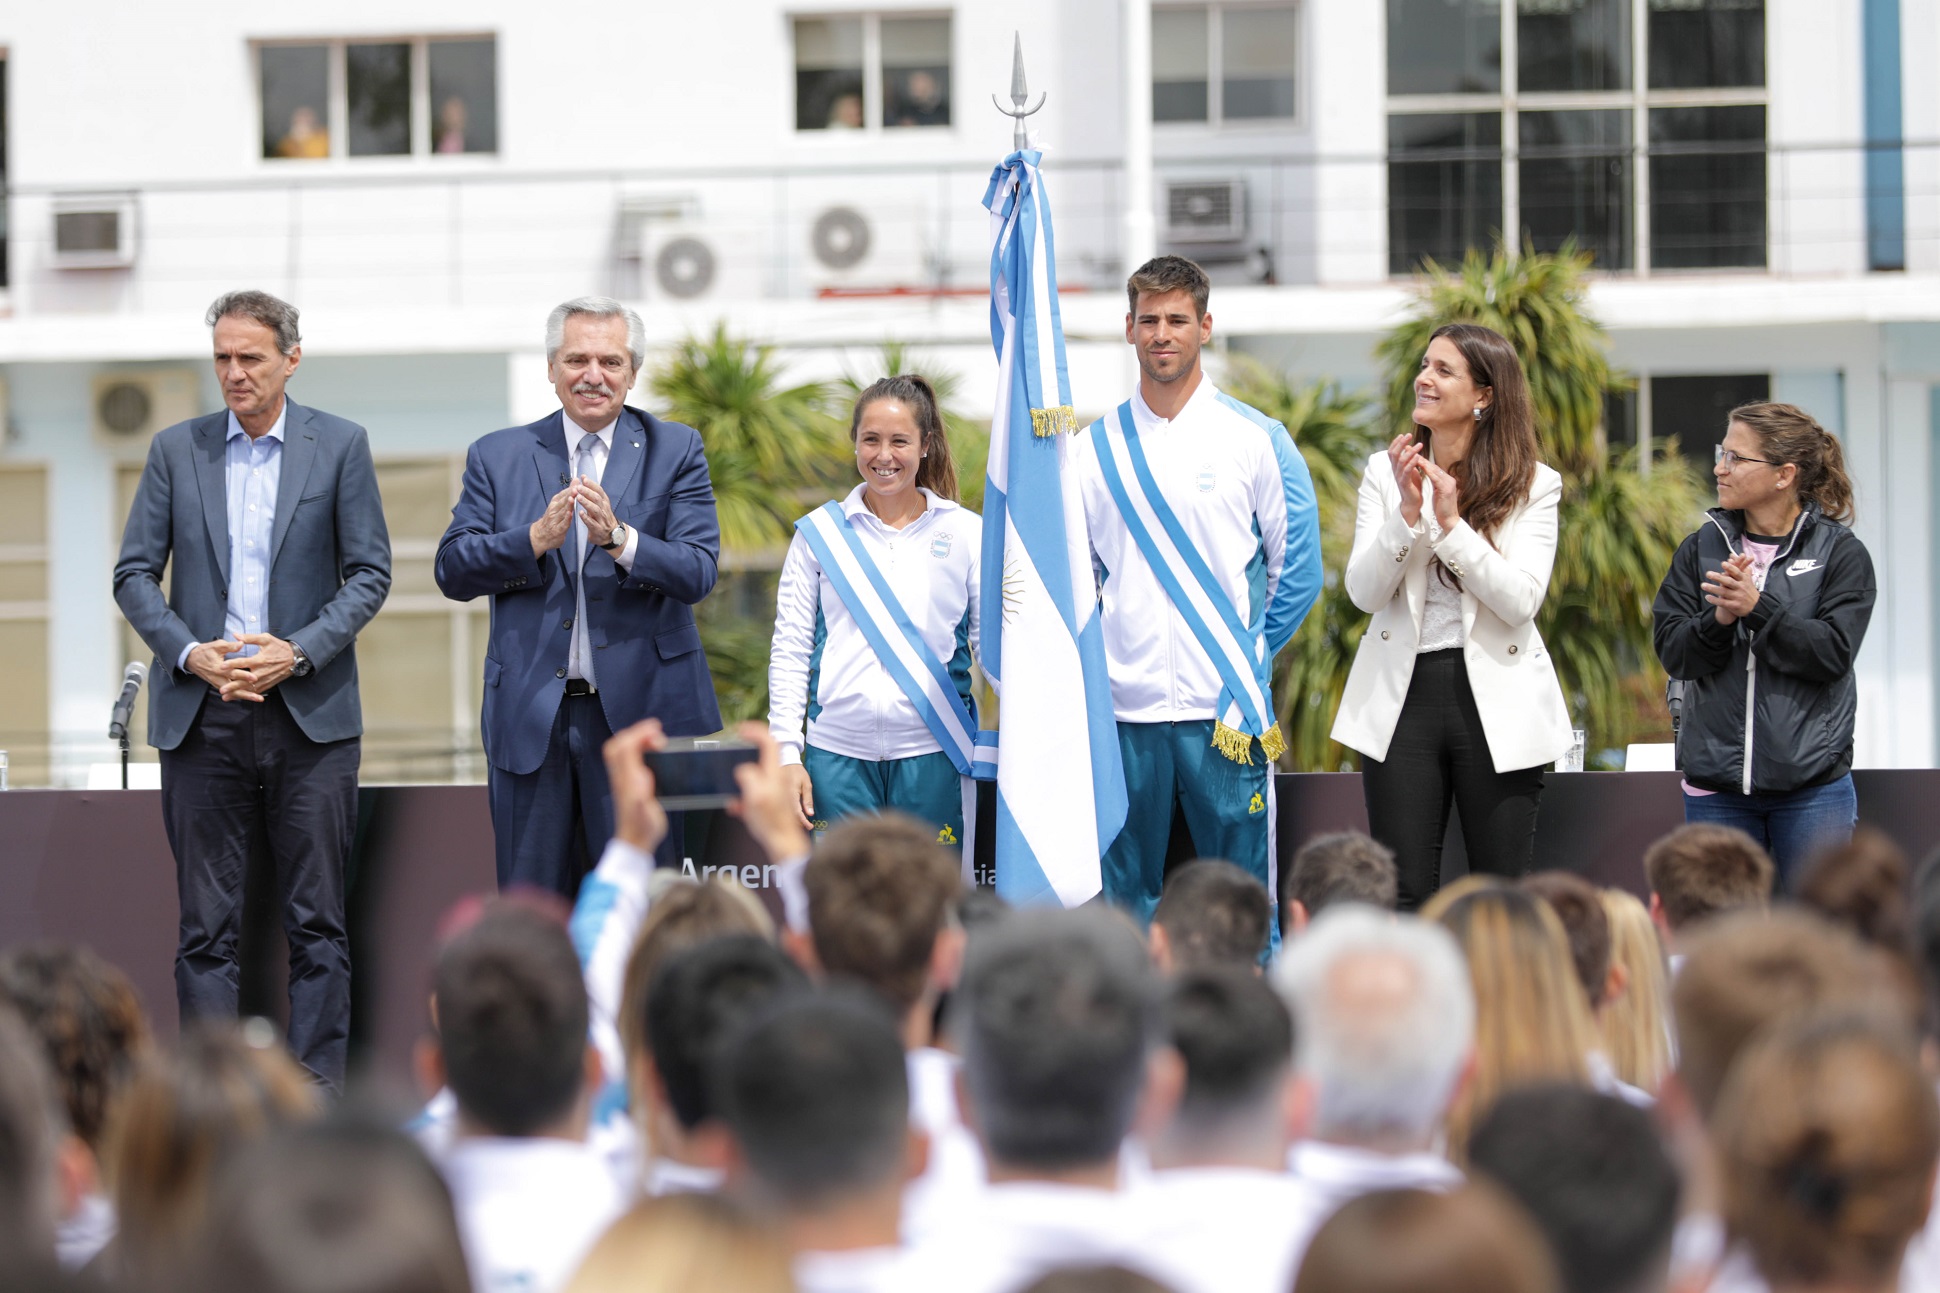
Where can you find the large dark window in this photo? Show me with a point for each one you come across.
(872, 72)
(1573, 45)
(1444, 186)
(1693, 410)
(915, 72)
(377, 79)
(828, 74)
(1444, 46)
(1576, 183)
(397, 98)
(1701, 44)
(1224, 62)
(464, 96)
(1707, 187)
(1181, 65)
(296, 100)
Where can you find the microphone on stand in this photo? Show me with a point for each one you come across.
(131, 681)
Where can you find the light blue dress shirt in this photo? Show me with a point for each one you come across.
(252, 470)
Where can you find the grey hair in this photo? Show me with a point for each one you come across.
(274, 313)
(1378, 1073)
(598, 307)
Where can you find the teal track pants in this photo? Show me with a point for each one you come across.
(1228, 808)
(926, 786)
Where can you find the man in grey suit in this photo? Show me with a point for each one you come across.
(270, 514)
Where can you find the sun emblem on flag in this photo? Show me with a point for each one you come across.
(1013, 587)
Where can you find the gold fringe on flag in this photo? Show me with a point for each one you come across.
(1048, 422)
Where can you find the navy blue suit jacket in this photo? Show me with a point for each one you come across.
(330, 564)
(647, 657)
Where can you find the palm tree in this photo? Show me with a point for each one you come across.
(1335, 432)
(969, 438)
(773, 452)
(1621, 517)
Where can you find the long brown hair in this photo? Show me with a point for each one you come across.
(1501, 464)
(1788, 434)
(937, 471)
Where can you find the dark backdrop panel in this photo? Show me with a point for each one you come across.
(94, 867)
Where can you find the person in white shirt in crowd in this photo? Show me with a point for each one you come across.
(1701, 870)
(1057, 1017)
(342, 1204)
(815, 1096)
(1206, 537)
(1211, 914)
(530, 1194)
(1470, 1240)
(882, 896)
(1827, 1134)
(92, 1032)
(1221, 1213)
(1385, 1037)
(1344, 866)
(1593, 1173)
(868, 717)
(1579, 906)
(696, 999)
(1748, 974)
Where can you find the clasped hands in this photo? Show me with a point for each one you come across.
(239, 677)
(1732, 591)
(584, 496)
(1412, 466)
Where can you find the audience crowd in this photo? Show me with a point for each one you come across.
(895, 1083)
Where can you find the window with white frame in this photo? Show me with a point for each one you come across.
(1531, 116)
(872, 71)
(378, 98)
(1220, 63)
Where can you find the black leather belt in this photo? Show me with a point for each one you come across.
(580, 687)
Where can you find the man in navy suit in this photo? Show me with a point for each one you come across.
(270, 515)
(593, 532)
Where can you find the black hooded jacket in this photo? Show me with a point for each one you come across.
(1769, 700)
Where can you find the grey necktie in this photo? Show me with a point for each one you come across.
(587, 462)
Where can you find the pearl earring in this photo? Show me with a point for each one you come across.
(1478, 413)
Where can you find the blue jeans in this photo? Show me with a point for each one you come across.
(1792, 826)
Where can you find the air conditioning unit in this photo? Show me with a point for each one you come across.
(1205, 211)
(130, 407)
(840, 238)
(661, 249)
(94, 232)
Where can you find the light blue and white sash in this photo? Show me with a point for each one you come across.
(1237, 649)
(897, 643)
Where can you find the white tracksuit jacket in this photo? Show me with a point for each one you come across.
(857, 709)
(1242, 494)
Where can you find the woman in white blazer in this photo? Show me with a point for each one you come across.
(1452, 696)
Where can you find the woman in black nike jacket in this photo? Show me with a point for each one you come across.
(1761, 617)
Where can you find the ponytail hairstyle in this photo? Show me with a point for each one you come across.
(1788, 434)
(937, 471)
(1495, 477)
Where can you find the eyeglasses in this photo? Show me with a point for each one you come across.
(1726, 459)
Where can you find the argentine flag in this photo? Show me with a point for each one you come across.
(1060, 784)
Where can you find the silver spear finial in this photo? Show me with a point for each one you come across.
(1020, 94)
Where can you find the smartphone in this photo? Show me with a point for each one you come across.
(692, 773)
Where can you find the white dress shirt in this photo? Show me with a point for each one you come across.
(579, 664)
(1020, 1230)
(951, 1184)
(1228, 1229)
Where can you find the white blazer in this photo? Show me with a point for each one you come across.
(1516, 692)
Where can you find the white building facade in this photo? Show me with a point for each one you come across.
(1759, 179)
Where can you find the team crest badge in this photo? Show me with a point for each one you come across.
(1207, 478)
(946, 836)
(940, 546)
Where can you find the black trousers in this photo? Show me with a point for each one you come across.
(244, 778)
(1439, 754)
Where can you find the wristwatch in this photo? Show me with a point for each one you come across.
(616, 538)
(302, 668)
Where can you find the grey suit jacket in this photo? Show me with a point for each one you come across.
(330, 565)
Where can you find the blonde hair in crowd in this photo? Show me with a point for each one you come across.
(1532, 1022)
(681, 1242)
(1827, 1137)
(1636, 1026)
